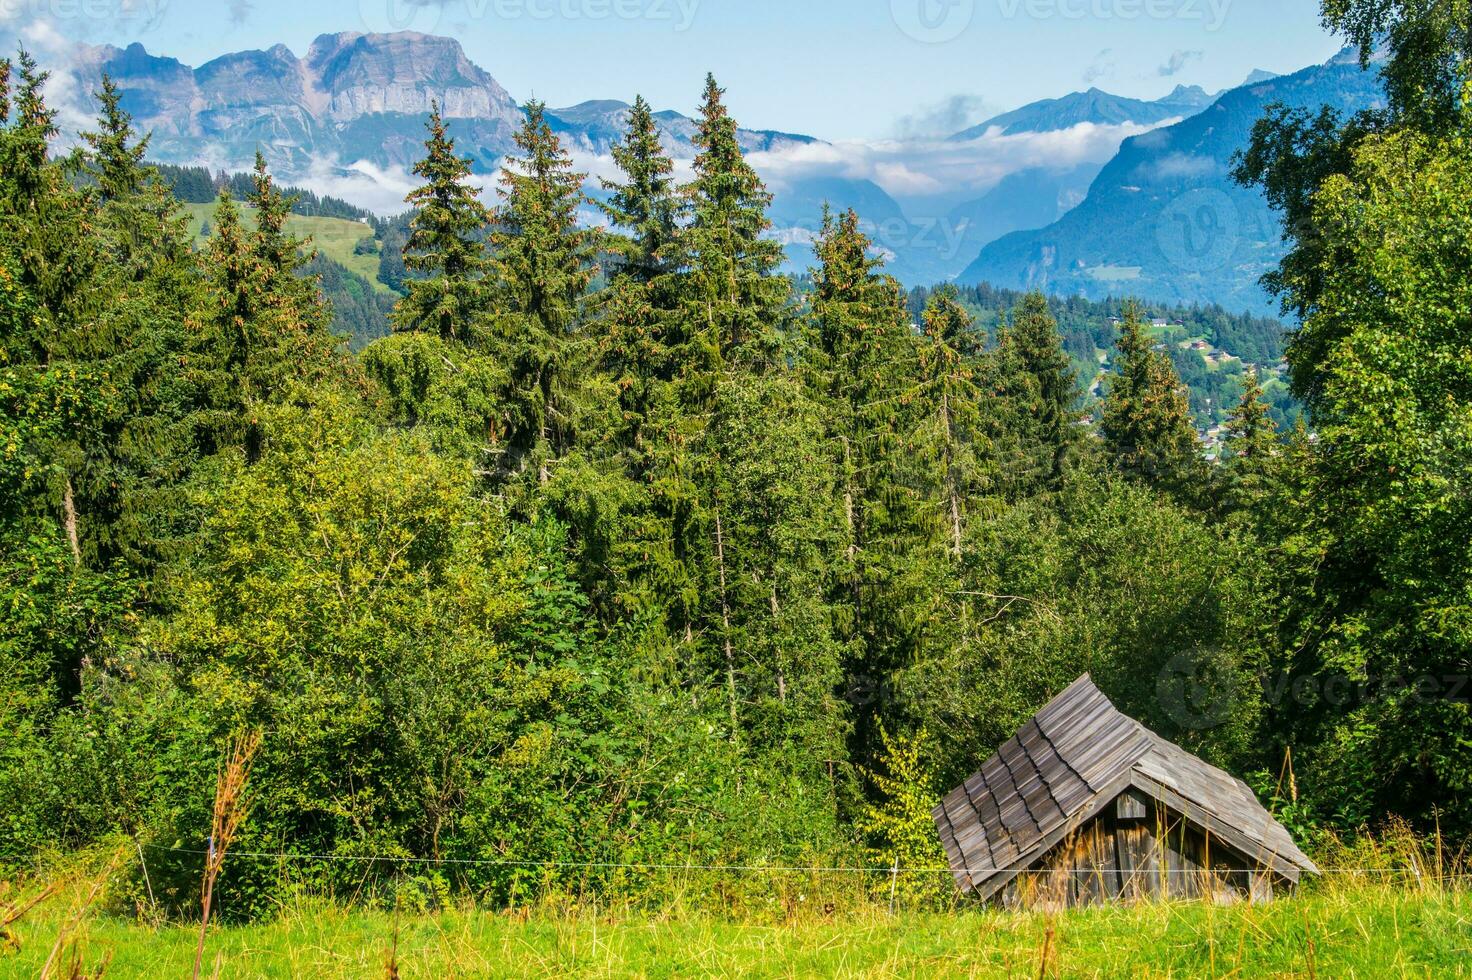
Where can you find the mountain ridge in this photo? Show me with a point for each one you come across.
(1164, 219)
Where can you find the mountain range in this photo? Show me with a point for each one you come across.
(1164, 218)
(350, 113)
(1093, 107)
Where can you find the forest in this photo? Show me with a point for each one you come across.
(623, 551)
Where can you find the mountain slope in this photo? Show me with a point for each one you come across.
(1164, 219)
(1094, 107)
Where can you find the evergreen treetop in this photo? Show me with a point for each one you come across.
(1146, 419)
(645, 204)
(445, 242)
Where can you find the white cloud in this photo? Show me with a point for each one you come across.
(950, 115)
(379, 189)
(1177, 62)
(1101, 67)
(934, 169)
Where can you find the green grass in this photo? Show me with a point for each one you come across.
(1368, 931)
(334, 237)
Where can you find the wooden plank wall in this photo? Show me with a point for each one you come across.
(1139, 851)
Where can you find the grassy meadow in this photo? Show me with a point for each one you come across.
(1334, 930)
(335, 237)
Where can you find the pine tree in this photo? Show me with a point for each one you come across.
(1033, 339)
(635, 314)
(1146, 419)
(952, 388)
(259, 328)
(542, 264)
(445, 243)
(282, 256)
(117, 157)
(863, 360)
(1253, 451)
(732, 295)
(27, 142)
(139, 212)
(645, 204)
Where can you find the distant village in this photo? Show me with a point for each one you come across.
(1172, 333)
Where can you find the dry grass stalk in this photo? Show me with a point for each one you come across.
(11, 914)
(68, 928)
(230, 810)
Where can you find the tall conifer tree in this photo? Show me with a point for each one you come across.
(1034, 340)
(1146, 419)
(1254, 453)
(541, 266)
(635, 314)
(445, 243)
(864, 360)
(645, 204)
(733, 296)
(954, 392)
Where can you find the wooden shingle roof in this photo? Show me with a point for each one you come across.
(1073, 759)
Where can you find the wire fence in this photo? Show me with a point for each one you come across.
(399, 859)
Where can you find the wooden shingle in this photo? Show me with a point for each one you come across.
(1070, 762)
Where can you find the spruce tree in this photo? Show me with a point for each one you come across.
(27, 141)
(1033, 339)
(644, 205)
(1253, 452)
(281, 255)
(953, 391)
(260, 329)
(1146, 420)
(541, 266)
(732, 295)
(863, 360)
(445, 243)
(116, 154)
(139, 213)
(635, 315)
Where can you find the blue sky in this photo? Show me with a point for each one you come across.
(838, 69)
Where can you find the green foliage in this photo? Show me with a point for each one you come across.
(542, 264)
(445, 244)
(571, 578)
(1387, 487)
(899, 825)
(1146, 423)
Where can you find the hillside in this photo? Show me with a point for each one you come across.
(1164, 219)
(335, 238)
(1210, 347)
(1094, 107)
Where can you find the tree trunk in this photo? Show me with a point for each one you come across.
(69, 516)
(781, 676)
(945, 421)
(726, 624)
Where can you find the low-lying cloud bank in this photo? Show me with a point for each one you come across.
(929, 171)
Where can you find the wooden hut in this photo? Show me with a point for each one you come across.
(1086, 806)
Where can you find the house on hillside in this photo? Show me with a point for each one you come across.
(1086, 806)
